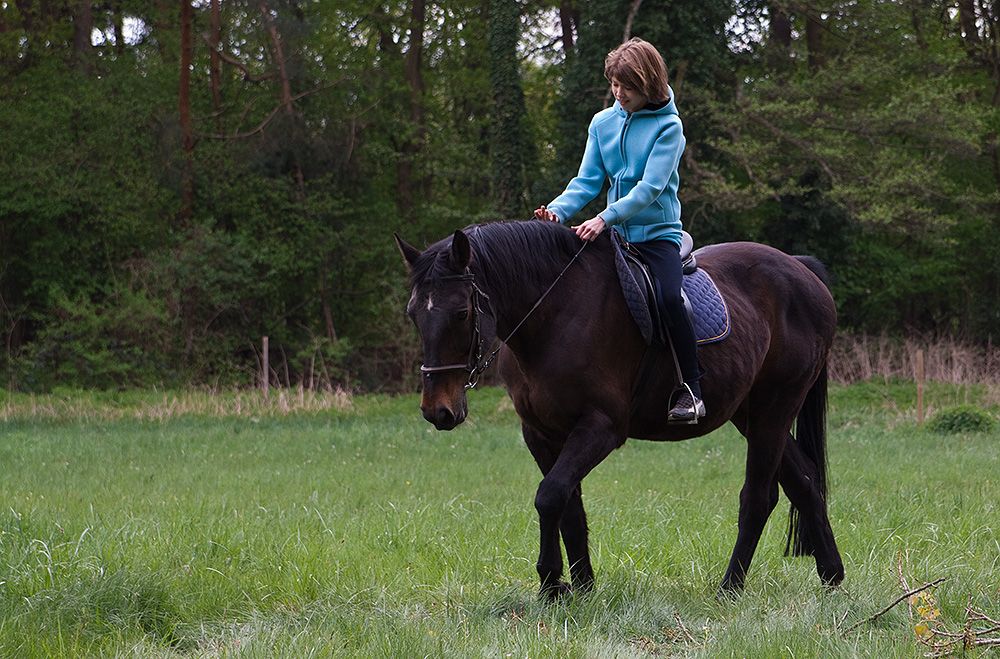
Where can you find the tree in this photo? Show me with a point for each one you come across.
(841, 131)
(508, 147)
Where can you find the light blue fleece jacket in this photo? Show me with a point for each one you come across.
(639, 154)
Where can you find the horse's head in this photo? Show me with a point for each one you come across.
(445, 306)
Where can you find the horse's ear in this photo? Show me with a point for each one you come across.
(409, 252)
(461, 251)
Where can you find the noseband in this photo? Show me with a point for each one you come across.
(475, 364)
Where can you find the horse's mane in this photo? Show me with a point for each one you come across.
(506, 255)
(510, 255)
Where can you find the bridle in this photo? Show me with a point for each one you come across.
(475, 364)
(472, 364)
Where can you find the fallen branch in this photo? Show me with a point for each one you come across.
(904, 597)
(969, 638)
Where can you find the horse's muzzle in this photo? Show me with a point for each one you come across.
(445, 416)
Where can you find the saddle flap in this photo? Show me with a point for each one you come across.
(704, 302)
(637, 286)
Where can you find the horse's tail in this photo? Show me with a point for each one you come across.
(817, 267)
(810, 435)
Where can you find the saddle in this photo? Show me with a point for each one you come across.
(703, 301)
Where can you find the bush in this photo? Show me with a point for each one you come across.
(962, 419)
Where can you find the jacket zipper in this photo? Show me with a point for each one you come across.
(621, 147)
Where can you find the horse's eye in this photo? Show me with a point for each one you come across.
(462, 315)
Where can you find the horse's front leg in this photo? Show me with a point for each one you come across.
(575, 535)
(757, 499)
(559, 502)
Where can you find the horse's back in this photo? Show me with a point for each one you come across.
(782, 312)
(768, 275)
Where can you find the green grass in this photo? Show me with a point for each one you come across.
(356, 530)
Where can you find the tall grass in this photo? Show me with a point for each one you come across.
(355, 530)
(857, 358)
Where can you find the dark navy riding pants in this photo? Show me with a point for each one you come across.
(664, 259)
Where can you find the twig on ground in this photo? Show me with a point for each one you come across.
(680, 624)
(969, 637)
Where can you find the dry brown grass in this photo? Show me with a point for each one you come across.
(862, 357)
(154, 406)
(854, 358)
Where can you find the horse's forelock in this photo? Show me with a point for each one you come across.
(432, 263)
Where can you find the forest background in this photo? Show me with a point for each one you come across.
(180, 179)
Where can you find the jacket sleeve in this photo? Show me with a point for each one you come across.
(661, 167)
(588, 182)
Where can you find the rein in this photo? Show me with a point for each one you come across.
(475, 364)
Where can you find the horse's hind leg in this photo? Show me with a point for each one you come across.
(798, 479)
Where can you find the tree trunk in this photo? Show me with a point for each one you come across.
(286, 98)
(507, 150)
(324, 296)
(633, 11)
(83, 26)
(991, 53)
(215, 63)
(406, 185)
(119, 20)
(779, 38)
(993, 148)
(970, 31)
(184, 110)
(569, 18)
(814, 39)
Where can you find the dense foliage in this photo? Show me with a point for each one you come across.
(179, 180)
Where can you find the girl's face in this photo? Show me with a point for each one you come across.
(630, 99)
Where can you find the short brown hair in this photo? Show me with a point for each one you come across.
(637, 64)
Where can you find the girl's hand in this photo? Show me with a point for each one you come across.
(546, 215)
(590, 229)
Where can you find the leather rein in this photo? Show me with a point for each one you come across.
(475, 364)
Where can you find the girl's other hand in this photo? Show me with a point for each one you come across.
(545, 214)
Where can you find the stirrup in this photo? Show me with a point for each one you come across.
(688, 408)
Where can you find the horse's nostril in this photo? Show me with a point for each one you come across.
(446, 419)
(442, 418)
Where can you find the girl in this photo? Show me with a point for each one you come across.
(637, 145)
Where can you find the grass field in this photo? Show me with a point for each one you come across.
(143, 525)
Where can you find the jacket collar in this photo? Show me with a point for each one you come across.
(669, 108)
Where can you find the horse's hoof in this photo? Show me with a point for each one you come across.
(728, 591)
(832, 578)
(554, 592)
(583, 586)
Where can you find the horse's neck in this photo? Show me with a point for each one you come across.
(525, 301)
(511, 298)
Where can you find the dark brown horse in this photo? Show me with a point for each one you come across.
(571, 354)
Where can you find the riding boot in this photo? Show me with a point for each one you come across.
(689, 406)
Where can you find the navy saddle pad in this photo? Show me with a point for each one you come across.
(709, 313)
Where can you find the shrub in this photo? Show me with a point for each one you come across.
(962, 419)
